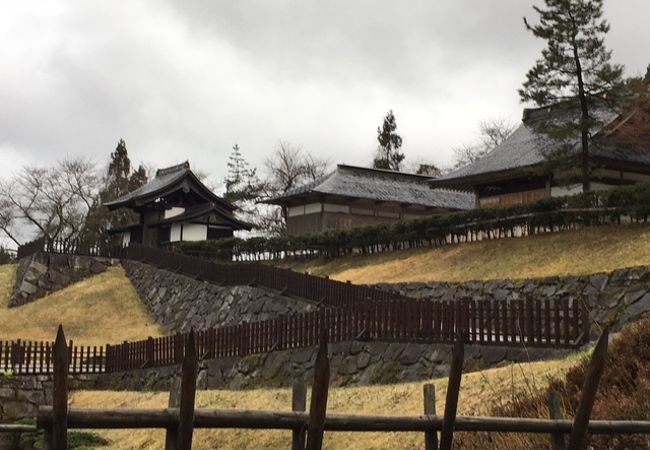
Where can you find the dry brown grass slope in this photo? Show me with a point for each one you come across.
(480, 391)
(591, 250)
(96, 311)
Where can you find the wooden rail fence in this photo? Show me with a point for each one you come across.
(308, 429)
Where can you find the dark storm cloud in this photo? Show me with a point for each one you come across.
(186, 80)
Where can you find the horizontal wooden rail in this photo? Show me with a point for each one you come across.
(82, 418)
(17, 428)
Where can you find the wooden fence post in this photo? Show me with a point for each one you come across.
(298, 404)
(188, 395)
(453, 391)
(555, 413)
(430, 437)
(171, 435)
(150, 352)
(319, 392)
(578, 439)
(59, 430)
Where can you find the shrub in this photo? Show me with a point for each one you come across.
(623, 394)
(5, 256)
(556, 213)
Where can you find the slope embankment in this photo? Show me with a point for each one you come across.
(571, 253)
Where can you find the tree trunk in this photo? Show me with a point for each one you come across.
(584, 121)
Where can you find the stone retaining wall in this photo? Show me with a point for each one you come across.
(351, 364)
(43, 273)
(616, 298)
(21, 396)
(178, 303)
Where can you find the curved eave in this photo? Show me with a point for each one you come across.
(181, 218)
(467, 183)
(172, 187)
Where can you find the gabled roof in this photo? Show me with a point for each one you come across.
(202, 211)
(165, 182)
(527, 147)
(380, 185)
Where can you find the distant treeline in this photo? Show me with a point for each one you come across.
(548, 215)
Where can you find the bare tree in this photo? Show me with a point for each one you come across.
(492, 133)
(54, 201)
(7, 220)
(288, 167)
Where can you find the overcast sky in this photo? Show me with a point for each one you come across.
(188, 79)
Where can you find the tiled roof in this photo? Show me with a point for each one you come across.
(527, 146)
(381, 185)
(164, 179)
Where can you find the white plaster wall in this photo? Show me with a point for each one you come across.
(195, 232)
(126, 238)
(296, 211)
(174, 211)
(561, 191)
(312, 208)
(175, 233)
(330, 207)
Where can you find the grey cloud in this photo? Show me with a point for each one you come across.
(186, 80)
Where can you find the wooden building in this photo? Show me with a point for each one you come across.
(356, 196)
(176, 206)
(517, 171)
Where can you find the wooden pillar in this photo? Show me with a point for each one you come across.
(188, 395)
(319, 392)
(171, 436)
(59, 430)
(555, 413)
(578, 439)
(298, 404)
(453, 391)
(430, 437)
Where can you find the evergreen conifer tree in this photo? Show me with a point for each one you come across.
(388, 154)
(575, 66)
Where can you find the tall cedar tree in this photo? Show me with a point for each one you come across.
(242, 183)
(119, 181)
(388, 154)
(575, 66)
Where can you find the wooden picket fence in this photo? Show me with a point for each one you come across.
(530, 323)
(35, 358)
(75, 247)
(308, 428)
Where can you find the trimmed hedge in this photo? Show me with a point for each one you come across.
(547, 215)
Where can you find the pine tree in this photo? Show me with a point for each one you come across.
(575, 66)
(388, 155)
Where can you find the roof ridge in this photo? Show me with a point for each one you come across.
(178, 167)
(384, 171)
